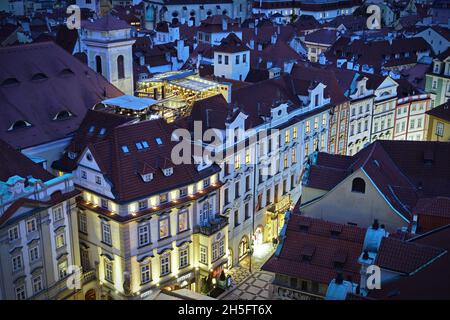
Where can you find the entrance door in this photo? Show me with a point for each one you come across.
(243, 247)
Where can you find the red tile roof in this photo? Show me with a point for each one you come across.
(13, 163)
(329, 251)
(122, 169)
(39, 80)
(399, 169)
(106, 23)
(403, 256)
(231, 44)
(432, 282)
(438, 206)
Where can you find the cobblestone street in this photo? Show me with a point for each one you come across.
(251, 286)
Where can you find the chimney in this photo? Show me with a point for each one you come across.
(273, 39)
(339, 278)
(375, 224)
(224, 24)
(180, 49)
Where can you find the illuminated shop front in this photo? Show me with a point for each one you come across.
(274, 218)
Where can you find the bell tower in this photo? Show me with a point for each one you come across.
(108, 46)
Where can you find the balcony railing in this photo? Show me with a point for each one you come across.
(285, 292)
(212, 226)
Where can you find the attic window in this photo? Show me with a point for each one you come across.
(307, 252)
(158, 141)
(358, 185)
(66, 72)
(19, 124)
(91, 129)
(147, 177)
(125, 149)
(10, 82)
(72, 155)
(102, 131)
(62, 115)
(39, 77)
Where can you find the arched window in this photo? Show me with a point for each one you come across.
(120, 67)
(358, 185)
(98, 64)
(62, 115)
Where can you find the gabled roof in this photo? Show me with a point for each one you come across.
(330, 248)
(323, 36)
(442, 111)
(403, 171)
(231, 44)
(37, 82)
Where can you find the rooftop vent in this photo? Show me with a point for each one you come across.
(67, 72)
(19, 124)
(39, 77)
(9, 82)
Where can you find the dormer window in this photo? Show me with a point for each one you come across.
(72, 155)
(147, 177)
(168, 172)
(62, 115)
(19, 124)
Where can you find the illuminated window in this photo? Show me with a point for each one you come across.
(237, 162)
(218, 249)
(109, 276)
(106, 233)
(82, 222)
(183, 221)
(163, 198)
(31, 225)
(145, 273)
(322, 141)
(316, 123)
(184, 258)
(294, 156)
(163, 228)
(165, 264)
(144, 235)
(315, 144)
(21, 293)
(62, 269)
(306, 150)
(307, 127)
(60, 240)
(324, 120)
(142, 205)
(286, 162)
(294, 133)
(286, 137)
(247, 156)
(203, 254)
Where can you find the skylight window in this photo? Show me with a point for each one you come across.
(102, 131)
(142, 145)
(159, 141)
(125, 149)
(91, 129)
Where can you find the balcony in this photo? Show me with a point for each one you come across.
(212, 226)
